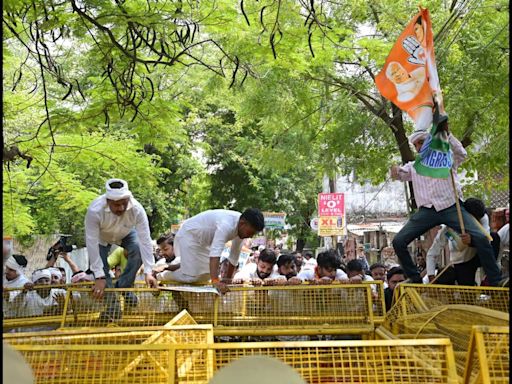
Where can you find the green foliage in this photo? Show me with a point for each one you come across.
(204, 105)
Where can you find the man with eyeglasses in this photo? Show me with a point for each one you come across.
(117, 218)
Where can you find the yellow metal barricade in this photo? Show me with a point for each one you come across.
(262, 311)
(410, 318)
(176, 334)
(433, 295)
(488, 360)
(379, 302)
(40, 308)
(362, 361)
(122, 307)
(90, 363)
(183, 318)
(294, 310)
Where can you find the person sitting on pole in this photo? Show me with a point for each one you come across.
(438, 203)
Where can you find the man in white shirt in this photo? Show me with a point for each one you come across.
(200, 241)
(503, 233)
(117, 218)
(14, 276)
(168, 260)
(256, 274)
(310, 261)
(462, 256)
(41, 301)
(15, 366)
(326, 270)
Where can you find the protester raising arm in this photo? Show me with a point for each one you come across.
(67, 258)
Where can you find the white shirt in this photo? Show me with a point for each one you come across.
(34, 305)
(503, 233)
(309, 274)
(18, 282)
(208, 231)
(250, 273)
(9, 308)
(459, 253)
(310, 264)
(163, 261)
(432, 192)
(103, 227)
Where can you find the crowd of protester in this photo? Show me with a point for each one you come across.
(194, 255)
(264, 266)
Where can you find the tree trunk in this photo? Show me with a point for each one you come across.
(300, 244)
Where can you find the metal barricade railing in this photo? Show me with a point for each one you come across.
(180, 329)
(410, 318)
(263, 311)
(292, 310)
(433, 295)
(177, 334)
(488, 358)
(369, 361)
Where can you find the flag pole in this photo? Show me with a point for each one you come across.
(457, 204)
(440, 273)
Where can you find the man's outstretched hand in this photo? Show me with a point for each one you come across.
(221, 286)
(151, 281)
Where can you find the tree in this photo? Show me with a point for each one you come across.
(222, 104)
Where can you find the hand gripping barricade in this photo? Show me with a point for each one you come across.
(245, 311)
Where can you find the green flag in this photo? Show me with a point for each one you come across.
(435, 158)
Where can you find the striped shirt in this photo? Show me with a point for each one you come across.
(431, 192)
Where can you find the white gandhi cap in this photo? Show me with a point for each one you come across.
(117, 189)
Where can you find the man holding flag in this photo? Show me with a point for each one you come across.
(434, 172)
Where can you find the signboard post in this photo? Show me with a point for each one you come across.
(331, 212)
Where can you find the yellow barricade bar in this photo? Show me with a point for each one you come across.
(262, 311)
(496, 298)
(397, 361)
(488, 358)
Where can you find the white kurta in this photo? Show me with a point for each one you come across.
(204, 236)
(9, 309)
(251, 272)
(309, 274)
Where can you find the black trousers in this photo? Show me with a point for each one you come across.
(464, 273)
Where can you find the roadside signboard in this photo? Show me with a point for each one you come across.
(331, 212)
(274, 220)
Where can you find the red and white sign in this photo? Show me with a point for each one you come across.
(331, 204)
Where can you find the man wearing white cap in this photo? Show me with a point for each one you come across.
(436, 202)
(56, 275)
(15, 366)
(13, 278)
(14, 274)
(117, 218)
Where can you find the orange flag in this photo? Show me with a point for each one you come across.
(409, 77)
